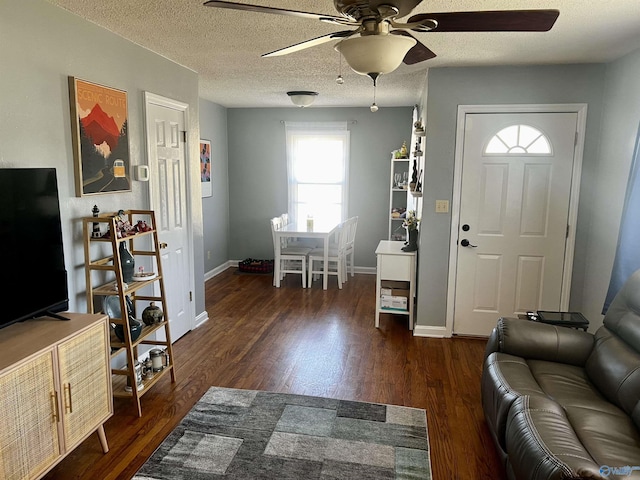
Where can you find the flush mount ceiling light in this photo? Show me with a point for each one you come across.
(374, 55)
(302, 98)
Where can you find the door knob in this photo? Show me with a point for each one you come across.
(163, 245)
(465, 243)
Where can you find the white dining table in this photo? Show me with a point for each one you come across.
(318, 229)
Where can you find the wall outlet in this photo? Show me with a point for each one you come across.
(442, 206)
(208, 254)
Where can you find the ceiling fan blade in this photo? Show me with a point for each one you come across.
(491, 21)
(279, 11)
(309, 43)
(416, 54)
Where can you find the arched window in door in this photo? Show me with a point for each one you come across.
(518, 140)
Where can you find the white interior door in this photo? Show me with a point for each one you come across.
(517, 171)
(165, 121)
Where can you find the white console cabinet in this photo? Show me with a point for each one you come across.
(55, 391)
(395, 265)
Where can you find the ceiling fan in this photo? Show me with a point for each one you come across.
(379, 43)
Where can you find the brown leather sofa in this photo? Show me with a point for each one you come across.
(563, 403)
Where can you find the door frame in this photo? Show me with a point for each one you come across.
(581, 110)
(158, 100)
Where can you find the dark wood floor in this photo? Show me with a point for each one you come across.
(310, 342)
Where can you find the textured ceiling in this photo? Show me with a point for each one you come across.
(224, 46)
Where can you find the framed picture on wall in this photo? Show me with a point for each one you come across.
(99, 119)
(205, 168)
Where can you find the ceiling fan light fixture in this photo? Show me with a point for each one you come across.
(302, 98)
(375, 53)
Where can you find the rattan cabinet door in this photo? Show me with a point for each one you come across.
(28, 419)
(84, 379)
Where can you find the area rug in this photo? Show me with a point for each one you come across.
(248, 434)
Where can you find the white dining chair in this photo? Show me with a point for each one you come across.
(335, 259)
(351, 226)
(292, 259)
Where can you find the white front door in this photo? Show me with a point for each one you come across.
(517, 171)
(165, 122)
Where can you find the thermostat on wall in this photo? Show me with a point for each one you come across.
(142, 173)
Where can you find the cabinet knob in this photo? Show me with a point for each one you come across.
(163, 245)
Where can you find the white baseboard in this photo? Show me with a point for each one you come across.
(234, 263)
(200, 319)
(430, 331)
(219, 269)
(365, 270)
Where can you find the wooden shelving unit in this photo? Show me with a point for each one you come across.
(106, 266)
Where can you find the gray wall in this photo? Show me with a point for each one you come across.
(450, 87)
(213, 127)
(40, 46)
(258, 172)
(621, 116)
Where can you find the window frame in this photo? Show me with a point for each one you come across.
(511, 148)
(316, 129)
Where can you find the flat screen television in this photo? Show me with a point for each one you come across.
(34, 277)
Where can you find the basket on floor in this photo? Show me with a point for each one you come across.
(251, 265)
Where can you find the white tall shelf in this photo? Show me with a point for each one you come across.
(404, 197)
(398, 197)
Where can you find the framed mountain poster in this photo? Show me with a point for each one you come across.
(100, 139)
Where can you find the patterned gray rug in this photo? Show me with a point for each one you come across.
(246, 434)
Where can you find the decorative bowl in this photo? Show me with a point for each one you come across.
(135, 327)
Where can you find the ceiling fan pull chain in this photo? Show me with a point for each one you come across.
(339, 79)
(374, 107)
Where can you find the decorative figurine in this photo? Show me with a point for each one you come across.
(142, 226)
(403, 150)
(95, 232)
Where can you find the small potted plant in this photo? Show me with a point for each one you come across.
(411, 224)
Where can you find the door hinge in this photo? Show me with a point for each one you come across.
(567, 234)
(184, 136)
(575, 140)
(191, 296)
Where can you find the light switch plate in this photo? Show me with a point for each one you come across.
(442, 206)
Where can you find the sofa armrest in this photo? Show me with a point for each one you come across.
(540, 341)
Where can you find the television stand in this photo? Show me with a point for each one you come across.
(56, 391)
(56, 316)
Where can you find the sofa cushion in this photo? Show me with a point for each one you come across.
(614, 367)
(614, 364)
(543, 445)
(504, 378)
(569, 386)
(623, 315)
(540, 341)
(610, 437)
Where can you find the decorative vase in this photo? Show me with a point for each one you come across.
(127, 263)
(135, 328)
(414, 173)
(152, 314)
(412, 245)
